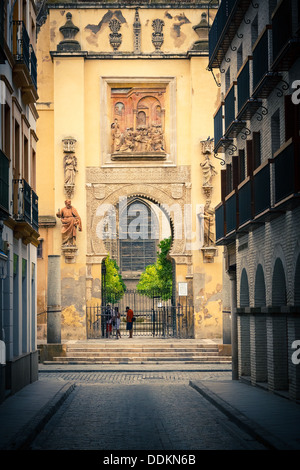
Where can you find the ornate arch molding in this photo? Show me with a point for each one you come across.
(98, 203)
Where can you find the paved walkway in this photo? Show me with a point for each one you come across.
(269, 418)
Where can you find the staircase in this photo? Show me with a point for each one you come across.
(127, 351)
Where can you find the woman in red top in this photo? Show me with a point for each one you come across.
(129, 318)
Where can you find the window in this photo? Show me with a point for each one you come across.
(26, 160)
(275, 131)
(254, 31)
(242, 165)
(228, 178)
(40, 249)
(227, 80)
(6, 133)
(256, 149)
(17, 151)
(138, 237)
(239, 57)
(272, 6)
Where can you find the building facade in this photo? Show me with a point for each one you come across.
(18, 197)
(125, 129)
(254, 53)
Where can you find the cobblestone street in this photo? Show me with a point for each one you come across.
(149, 410)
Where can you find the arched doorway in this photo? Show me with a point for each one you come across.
(244, 290)
(260, 288)
(279, 297)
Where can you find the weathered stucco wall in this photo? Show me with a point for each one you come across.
(73, 103)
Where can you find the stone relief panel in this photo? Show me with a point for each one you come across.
(137, 129)
(138, 121)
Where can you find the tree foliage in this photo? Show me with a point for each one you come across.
(157, 278)
(114, 284)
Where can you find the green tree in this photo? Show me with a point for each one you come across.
(157, 278)
(114, 284)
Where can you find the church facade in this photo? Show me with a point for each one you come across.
(125, 123)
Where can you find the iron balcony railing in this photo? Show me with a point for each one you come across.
(229, 107)
(4, 183)
(21, 43)
(226, 23)
(286, 34)
(245, 199)
(287, 172)
(218, 125)
(219, 24)
(220, 221)
(243, 86)
(262, 189)
(231, 206)
(23, 50)
(261, 59)
(25, 207)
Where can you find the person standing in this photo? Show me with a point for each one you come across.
(118, 322)
(129, 320)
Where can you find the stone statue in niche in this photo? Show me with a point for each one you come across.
(70, 220)
(70, 166)
(70, 169)
(208, 170)
(208, 216)
(137, 129)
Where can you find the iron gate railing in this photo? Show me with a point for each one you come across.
(155, 317)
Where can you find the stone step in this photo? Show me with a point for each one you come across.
(140, 350)
(137, 354)
(140, 359)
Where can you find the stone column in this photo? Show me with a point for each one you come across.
(258, 346)
(54, 300)
(244, 342)
(234, 335)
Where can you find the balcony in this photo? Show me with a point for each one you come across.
(233, 126)
(250, 204)
(246, 105)
(286, 35)
(287, 175)
(264, 79)
(25, 208)
(225, 25)
(4, 185)
(25, 67)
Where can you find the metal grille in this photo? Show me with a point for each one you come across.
(154, 316)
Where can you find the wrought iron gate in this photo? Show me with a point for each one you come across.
(155, 316)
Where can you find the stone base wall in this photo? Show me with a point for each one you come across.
(21, 371)
(266, 349)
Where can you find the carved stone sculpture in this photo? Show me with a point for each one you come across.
(137, 33)
(69, 31)
(208, 170)
(157, 36)
(137, 129)
(70, 220)
(115, 38)
(70, 166)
